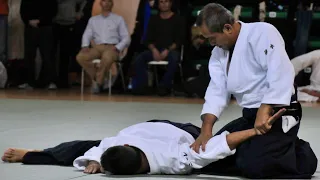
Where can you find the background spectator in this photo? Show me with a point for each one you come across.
(37, 16)
(165, 35)
(16, 31)
(69, 11)
(3, 29)
(110, 36)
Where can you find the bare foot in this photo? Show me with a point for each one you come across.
(13, 155)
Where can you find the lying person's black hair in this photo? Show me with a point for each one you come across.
(122, 160)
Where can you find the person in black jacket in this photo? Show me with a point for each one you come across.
(37, 16)
(164, 37)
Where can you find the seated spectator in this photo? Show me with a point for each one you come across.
(37, 16)
(110, 36)
(164, 37)
(310, 93)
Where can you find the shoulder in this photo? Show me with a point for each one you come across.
(262, 32)
(262, 29)
(177, 17)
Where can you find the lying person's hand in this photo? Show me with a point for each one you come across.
(93, 167)
(268, 124)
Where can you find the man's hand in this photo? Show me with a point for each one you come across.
(164, 54)
(202, 140)
(85, 50)
(266, 125)
(93, 167)
(78, 16)
(156, 54)
(115, 49)
(34, 23)
(206, 132)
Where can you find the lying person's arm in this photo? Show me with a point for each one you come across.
(90, 161)
(221, 146)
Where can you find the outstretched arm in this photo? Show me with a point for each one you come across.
(305, 60)
(223, 145)
(90, 161)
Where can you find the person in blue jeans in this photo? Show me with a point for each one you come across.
(165, 34)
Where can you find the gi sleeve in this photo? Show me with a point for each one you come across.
(216, 97)
(88, 34)
(124, 35)
(93, 154)
(305, 60)
(217, 148)
(269, 50)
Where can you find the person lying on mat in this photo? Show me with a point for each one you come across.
(310, 93)
(152, 147)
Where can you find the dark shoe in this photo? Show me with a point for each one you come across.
(164, 91)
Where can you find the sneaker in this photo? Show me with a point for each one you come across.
(25, 86)
(52, 86)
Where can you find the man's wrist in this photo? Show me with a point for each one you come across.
(208, 120)
(267, 108)
(93, 162)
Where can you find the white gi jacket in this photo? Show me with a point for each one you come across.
(165, 146)
(260, 71)
(309, 59)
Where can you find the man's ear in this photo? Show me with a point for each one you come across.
(227, 28)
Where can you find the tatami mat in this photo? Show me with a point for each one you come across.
(40, 124)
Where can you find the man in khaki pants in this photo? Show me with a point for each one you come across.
(109, 34)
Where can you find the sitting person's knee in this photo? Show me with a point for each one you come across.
(81, 57)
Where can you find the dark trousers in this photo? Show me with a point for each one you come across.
(273, 155)
(41, 38)
(141, 65)
(65, 153)
(64, 41)
(3, 38)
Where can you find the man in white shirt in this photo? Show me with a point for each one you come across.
(153, 147)
(110, 36)
(249, 61)
(310, 93)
